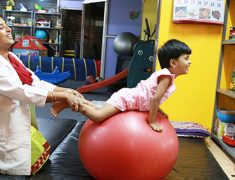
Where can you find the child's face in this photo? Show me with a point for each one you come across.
(182, 64)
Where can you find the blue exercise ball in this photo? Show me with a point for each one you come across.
(40, 34)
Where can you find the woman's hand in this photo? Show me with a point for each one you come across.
(74, 92)
(74, 102)
(69, 90)
(77, 103)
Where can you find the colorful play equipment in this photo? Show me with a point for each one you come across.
(142, 63)
(125, 147)
(78, 68)
(139, 67)
(29, 46)
(55, 77)
(104, 83)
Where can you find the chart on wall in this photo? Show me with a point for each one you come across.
(200, 11)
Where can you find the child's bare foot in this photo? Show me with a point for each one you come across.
(156, 127)
(57, 107)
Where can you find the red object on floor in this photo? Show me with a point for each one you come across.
(104, 83)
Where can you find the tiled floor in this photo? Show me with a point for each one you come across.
(225, 162)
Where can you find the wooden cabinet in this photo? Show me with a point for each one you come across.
(225, 97)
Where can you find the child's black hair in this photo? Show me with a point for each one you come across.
(172, 49)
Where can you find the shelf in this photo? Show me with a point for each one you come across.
(54, 14)
(229, 42)
(51, 28)
(30, 26)
(227, 92)
(17, 11)
(221, 102)
(57, 44)
(19, 26)
(229, 149)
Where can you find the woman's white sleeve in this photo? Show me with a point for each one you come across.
(11, 87)
(40, 83)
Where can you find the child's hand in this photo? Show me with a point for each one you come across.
(156, 127)
(83, 104)
(74, 102)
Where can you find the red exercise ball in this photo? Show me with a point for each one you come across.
(124, 147)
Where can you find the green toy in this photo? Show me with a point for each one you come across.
(37, 7)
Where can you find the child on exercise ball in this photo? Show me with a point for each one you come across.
(149, 94)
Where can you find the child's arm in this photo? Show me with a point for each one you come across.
(163, 84)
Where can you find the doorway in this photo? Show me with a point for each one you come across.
(93, 30)
(71, 32)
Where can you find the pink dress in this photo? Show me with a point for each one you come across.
(138, 98)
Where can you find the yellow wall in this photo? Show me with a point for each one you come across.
(149, 12)
(195, 92)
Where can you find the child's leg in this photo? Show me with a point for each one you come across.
(99, 114)
(58, 106)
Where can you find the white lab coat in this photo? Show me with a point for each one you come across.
(15, 122)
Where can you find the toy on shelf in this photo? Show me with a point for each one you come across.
(232, 84)
(39, 8)
(232, 33)
(41, 35)
(22, 7)
(18, 35)
(10, 4)
(29, 45)
(229, 134)
(227, 116)
(43, 23)
(10, 20)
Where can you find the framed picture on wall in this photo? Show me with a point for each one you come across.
(198, 11)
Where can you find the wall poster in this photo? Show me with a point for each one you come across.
(198, 11)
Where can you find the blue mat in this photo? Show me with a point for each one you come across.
(55, 77)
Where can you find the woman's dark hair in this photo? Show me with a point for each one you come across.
(172, 49)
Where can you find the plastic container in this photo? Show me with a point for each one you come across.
(229, 134)
(227, 116)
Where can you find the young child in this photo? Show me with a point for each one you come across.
(149, 94)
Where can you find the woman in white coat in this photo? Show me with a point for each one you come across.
(19, 87)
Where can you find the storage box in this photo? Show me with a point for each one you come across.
(227, 116)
